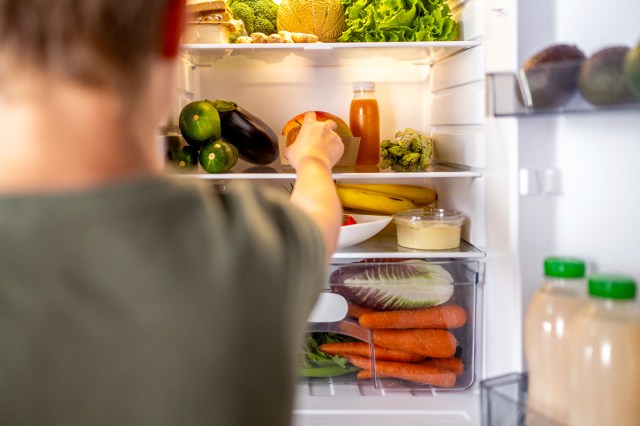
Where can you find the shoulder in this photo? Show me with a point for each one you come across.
(266, 212)
(279, 249)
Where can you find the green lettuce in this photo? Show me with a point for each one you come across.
(316, 363)
(398, 20)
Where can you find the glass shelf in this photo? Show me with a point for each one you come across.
(509, 97)
(280, 172)
(327, 54)
(384, 245)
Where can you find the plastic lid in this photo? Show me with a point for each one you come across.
(429, 213)
(364, 85)
(564, 267)
(612, 287)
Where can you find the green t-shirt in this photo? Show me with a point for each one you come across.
(155, 302)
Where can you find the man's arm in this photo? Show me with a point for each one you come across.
(315, 151)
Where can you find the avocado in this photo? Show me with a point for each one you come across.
(552, 75)
(601, 80)
(632, 69)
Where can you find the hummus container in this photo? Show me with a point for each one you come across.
(428, 228)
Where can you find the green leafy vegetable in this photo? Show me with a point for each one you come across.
(398, 20)
(316, 363)
(410, 151)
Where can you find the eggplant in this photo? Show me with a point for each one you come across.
(254, 139)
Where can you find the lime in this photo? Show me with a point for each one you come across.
(218, 156)
(186, 158)
(199, 122)
(632, 69)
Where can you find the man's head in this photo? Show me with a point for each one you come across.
(107, 44)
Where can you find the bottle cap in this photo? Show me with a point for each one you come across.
(564, 267)
(618, 287)
(364, 86)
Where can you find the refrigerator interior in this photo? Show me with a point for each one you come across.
(437, 88)
(529, 186)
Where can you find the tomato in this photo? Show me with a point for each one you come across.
(348, 220)
(218, 156)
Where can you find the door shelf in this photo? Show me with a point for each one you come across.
(509, 97)
(327, 54)
(504, 402)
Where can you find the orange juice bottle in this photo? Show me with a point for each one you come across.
(364, 121)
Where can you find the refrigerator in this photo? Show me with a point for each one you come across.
(530, 183)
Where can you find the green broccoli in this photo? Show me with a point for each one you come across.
(263, 25)
(244, 12)
(267, 9)
(410, 151)
(263, 10)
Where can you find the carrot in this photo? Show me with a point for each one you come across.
(444, 316)
(356, 311)
(418, 373)
(434, 343)
(365, 374)
(454, 364)
(362, 349)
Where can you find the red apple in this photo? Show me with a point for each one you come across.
(292, 127)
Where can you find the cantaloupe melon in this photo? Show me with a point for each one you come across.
(323, 18)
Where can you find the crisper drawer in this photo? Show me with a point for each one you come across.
(410, 325)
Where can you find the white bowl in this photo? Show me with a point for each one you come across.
(366, 227)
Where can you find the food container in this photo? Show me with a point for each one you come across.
(390, 304)
(207, 32)
(208, 22)
(428, 228)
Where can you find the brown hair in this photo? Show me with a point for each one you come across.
(104, 43)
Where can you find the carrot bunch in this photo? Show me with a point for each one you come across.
(414, 345)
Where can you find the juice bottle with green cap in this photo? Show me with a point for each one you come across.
(546, 327)
(605, 355)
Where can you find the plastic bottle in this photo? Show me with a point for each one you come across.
(364, 121)
(605, 355)
(552, 308)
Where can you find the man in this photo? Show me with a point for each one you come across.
(126, 297)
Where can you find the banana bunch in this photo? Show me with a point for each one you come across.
(384, 198)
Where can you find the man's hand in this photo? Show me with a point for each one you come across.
(316, 140)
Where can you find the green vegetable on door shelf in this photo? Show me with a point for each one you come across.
(410, 151)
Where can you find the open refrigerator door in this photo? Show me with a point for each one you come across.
(563, 154)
